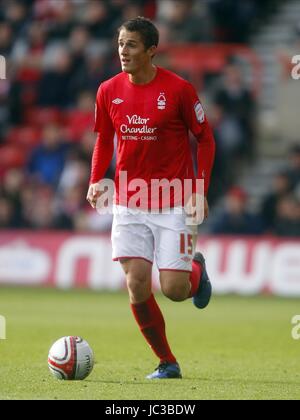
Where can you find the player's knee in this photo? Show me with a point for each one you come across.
(174, 286)
(176, 293)
(138, 278)
(136, 283)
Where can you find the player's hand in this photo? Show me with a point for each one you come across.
(197, 209)
(93, 194)
(206, 208)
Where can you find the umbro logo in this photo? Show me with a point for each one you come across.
(186, 259)
(117, 101)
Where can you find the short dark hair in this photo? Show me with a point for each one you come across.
(148, 31)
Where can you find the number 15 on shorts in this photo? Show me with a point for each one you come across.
(186, 244)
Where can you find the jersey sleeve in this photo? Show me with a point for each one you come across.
(102, 156)
(103, 123)
(196, 121)
(104, 147)
(192, 110)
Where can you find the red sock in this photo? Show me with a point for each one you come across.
(195, 278)
(152, 325)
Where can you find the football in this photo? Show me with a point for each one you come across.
(71, 358)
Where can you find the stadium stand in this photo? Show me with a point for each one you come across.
(57, 54)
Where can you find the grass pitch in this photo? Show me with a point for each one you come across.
(238, 348)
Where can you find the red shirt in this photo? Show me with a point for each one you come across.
(152, 124)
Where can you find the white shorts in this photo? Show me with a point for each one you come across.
(166, 237)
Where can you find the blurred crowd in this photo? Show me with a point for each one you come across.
(279, 210)
(57, 54)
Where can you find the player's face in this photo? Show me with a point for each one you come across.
(133, 54)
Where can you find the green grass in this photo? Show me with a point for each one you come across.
(239, 348)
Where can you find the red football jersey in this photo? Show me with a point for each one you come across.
(152, 124)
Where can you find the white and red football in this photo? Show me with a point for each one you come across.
(71, 358)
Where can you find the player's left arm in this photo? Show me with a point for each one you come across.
(196, 121)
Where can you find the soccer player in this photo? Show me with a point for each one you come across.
(152, 110)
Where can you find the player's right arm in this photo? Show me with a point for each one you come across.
(104, 147)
